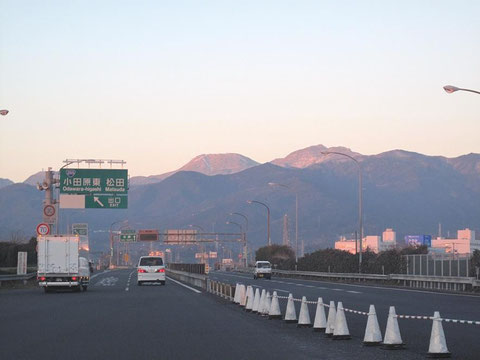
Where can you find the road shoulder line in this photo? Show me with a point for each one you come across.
(186, 286)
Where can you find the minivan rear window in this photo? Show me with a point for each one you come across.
(263, 265)
(151, 261)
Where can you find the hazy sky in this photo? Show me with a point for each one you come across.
(158, 82)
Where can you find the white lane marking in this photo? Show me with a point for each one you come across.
(103, 272)
(285, 291)
(128, 281)
(337, 289)
(353, 292)
(186, 286)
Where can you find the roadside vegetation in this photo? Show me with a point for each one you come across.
(338, 261)
(10, 249)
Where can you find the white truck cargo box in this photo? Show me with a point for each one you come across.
(62, 264)
(58, 254)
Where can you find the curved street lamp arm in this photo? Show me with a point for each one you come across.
(234, 223)
(451, 89)
(242, 215)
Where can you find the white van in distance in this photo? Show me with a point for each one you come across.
(262, 269)
(150, 269)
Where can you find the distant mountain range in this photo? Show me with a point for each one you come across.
(5, 182)
(407, 191)
(208, 164)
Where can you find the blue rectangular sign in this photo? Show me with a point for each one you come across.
(419, 240)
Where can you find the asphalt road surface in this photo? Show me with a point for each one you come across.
(116, 319)
(463, 340)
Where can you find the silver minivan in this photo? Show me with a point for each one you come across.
(150, 269)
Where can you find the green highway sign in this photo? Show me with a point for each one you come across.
(128, 236)
(106, 202)
(93, 188)
(80, 229)
(94, 181)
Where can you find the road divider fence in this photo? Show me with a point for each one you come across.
(448, 283)
(197, 280)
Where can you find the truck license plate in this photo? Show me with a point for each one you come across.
(58, 279)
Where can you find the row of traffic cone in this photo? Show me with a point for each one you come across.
(335, 324)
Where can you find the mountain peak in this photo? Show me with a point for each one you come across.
(215, 164)
(207, 164)
(313, 155)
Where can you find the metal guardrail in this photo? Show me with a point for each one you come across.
(17, 277)
(333, 275)
(417, 281)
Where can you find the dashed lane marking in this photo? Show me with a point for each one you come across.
(128, 281)
(285, 291)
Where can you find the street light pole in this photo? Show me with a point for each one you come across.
(450, 89)
(245, 243)
(202, 248)
(360, 208)
(269, 241)
(111, 242)
(296, 218)
(243, 240)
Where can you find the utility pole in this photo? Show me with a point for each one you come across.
(50, 208)
(286, 237)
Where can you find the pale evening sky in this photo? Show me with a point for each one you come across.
(156, 83)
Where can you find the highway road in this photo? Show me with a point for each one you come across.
(116, 319)
(462, 339)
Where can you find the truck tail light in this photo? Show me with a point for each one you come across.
(74, 278)
(42, 278)
(160, 270)
(141, 271)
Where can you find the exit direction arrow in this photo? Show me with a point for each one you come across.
(106, 202)
(95, 199)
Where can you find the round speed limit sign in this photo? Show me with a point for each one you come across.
(43, 229)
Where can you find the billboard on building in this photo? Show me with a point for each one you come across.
(417, 240)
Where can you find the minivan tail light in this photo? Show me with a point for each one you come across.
(160, 270)
(141, 271)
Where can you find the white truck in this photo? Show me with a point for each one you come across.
(262, 269)
(62, 263)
